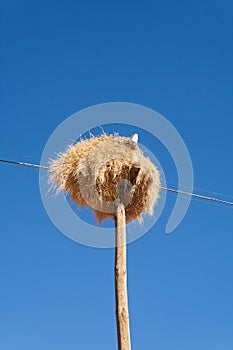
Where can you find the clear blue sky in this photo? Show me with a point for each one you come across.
(58, 57)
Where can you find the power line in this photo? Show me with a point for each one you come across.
(201, 190)
(24, 164)
(213, 199)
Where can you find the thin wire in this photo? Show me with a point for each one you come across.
(213, 199)
(216, 194)
(24, 164)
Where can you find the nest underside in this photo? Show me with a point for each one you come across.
(103, 171)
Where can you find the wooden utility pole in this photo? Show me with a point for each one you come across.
(122, 312)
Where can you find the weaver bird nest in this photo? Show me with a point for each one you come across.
(103, 171)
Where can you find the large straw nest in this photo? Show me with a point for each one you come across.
(103, 171)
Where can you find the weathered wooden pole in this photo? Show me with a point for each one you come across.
(122, 312)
